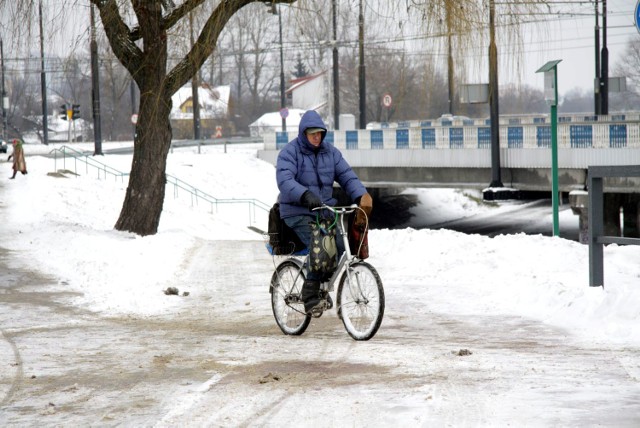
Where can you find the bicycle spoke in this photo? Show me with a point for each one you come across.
(286, 286)
(361, 301)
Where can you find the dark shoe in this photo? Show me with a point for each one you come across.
(329, 300)
(314, 307)
(310, 294)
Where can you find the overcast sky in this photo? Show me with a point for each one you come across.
(569, 38)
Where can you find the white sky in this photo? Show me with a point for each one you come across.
(63, 227)
(569, 38)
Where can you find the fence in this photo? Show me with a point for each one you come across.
(66, 155)
(526, 132)
(597, 239)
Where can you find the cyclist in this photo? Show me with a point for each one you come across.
(306, 169)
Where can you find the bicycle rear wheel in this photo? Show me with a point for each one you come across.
(286, 298)
(361, 301)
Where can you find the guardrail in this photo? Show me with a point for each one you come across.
(79, 157)
(197, 196)
(597, 239)
(617, 131)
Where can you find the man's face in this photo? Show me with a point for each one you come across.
(315, 139)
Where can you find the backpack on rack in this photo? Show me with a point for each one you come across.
(283, 241)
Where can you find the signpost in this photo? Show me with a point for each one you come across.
(284, 113)
(386, 102)
(636, 16)
(551, 95)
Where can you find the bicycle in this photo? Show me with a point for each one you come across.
(360, 297)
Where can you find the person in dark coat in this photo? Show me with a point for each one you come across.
(306, 169)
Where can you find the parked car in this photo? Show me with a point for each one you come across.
(3, 146)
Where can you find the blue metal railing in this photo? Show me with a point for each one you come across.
(65, 154)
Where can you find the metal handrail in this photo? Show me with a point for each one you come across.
(88, 161)
(197, 195)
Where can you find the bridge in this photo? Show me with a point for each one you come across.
(456, 153)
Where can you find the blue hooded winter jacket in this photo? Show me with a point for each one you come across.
(301, 167)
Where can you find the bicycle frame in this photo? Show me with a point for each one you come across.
(346, 259)
(360, 296)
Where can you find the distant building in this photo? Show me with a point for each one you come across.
(272, 122)
(215, 110)
(310, 92)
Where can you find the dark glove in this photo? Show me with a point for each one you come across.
(310, 200)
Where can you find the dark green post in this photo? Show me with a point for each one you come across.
(551, 95)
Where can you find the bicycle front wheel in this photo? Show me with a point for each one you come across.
(361, 301)
(286, 298)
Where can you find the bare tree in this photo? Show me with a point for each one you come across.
(117, 82)
(140, 33)
(628, 67)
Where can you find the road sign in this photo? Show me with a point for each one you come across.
(284, 113)
(134, 118)
(386, 100)
(218, 132)
(636, 15)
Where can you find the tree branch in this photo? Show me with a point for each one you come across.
(122, 44)
(206, 43)
(173, 17)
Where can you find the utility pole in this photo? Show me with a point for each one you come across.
(362, 88)
(494, 110)
(597, 88)
(449, 59)
(95, 87)
(604, 82)
(43, 84)
(336, 75)
(5, 100)
(195, 85)
(283, 101)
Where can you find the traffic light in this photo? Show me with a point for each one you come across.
(75, 111)
(63, 112)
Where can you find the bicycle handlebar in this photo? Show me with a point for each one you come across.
(346, 209)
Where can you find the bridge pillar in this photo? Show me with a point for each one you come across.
(579, 202)
(611, 208)
(615, 204)
(631, 215)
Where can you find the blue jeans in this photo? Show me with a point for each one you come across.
(301, 225)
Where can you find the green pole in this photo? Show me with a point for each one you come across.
(554, 155)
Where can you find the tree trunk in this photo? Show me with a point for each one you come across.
(145, 194)
(147, 63)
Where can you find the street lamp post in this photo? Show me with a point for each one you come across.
(362, 89)
(494, 109)
(336, 76)
(5, 100)
(95, 87)
(283, 101)
(43, 84)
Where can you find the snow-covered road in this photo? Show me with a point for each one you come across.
(222, 361)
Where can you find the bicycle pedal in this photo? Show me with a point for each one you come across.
(316, 312)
